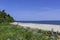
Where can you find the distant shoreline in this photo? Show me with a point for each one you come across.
(47, 27)
(52, 22)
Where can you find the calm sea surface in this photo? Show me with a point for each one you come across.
(42, 22)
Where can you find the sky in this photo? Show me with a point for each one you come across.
(32, 10)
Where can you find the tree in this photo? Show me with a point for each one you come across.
(4, 17)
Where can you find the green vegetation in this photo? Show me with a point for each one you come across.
(13, 32)
(4, 17)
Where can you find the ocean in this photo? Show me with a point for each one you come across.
(42, 22)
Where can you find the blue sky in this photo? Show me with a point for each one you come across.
(32, 10)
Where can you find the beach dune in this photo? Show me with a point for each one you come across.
(47, 27)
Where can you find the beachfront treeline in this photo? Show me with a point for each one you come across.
(5, 17)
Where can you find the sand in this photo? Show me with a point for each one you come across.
(47, 27)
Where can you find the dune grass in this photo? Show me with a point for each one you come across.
(13, 32)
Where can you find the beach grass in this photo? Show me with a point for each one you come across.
(14, 32)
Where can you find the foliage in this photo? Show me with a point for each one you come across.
(13, 32)
(4, 17)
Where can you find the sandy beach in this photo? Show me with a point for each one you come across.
(47, 27)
